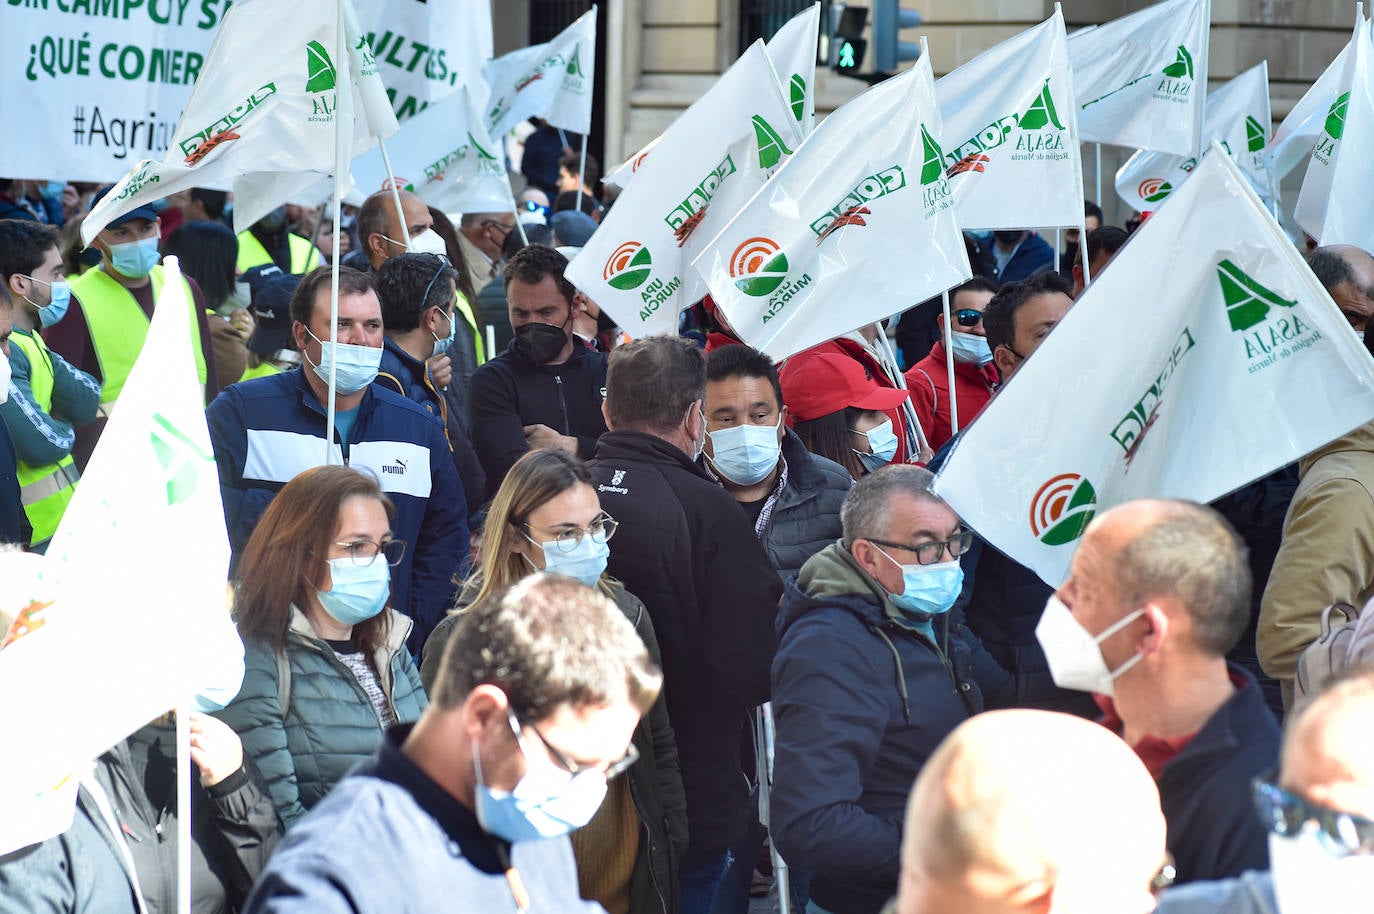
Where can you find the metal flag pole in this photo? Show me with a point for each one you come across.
(1083, 251)
(582, 170)
(185, 772)
(343, 87)
(395, 193)
(882, 343)
(1097, 148)
(782, 879)
(1058, 243)
(949, 364)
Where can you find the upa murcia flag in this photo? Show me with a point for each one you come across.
(1141, 80)
(262, 115)
(1333, 206)
(551, 80)
(445, 157)
(1011, 150)
(1237, 118)
(1241, 364)
(634, 267)
(1295, 138)
(857, 225)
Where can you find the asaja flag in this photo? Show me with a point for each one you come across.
(1141, 79)
(551, 80)
(1011, 150)
(1334, 205)
(857, 225)
(262, 116)
(1295, 138)
(1241, 364)
(1237, 118)
(444, 156)
(635, 267)
(137, 574)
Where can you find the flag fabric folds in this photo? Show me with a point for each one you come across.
(1240, 364)
(261, 117)
(551, 80)
(1294, 139)
(858, 224)
(1141, 80)
(1011, 139)
(634, 267)
(1237, 117)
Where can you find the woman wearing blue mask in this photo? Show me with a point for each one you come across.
(546, 518)
(326, 667)
(841, 412)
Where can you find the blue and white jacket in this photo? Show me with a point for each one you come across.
(268, 430)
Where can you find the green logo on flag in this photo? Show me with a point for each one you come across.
(1153, 190)
(628, 267)
(1247, 300)
(758, 266)
(932, 167)
(798, 86)
(771, 146)
(575, 65)
(481, 153)
(1335, 118)
(181, 458)
(1041, 113)
(1182, 67)
(1062, 509)
(320, 74)
(1255, 139)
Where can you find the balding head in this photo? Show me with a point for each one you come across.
(379, 229)
(1347, 272)
(1328, 751)
(1068, 823)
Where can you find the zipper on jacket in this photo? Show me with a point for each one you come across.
(562, 404)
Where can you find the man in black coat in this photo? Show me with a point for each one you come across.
(687, 550)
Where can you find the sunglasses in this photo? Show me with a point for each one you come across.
(1286, 815)
(968, 317)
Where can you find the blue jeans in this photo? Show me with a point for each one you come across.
(698, 876)
(732, 896)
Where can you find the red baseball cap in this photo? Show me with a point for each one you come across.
(818, 384)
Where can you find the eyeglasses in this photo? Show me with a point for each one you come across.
(505, 229)
(968, 317)
(573, 768)
(365, 552)
(1341, 833)
(444, 264)
(930, 553)
(601, 529)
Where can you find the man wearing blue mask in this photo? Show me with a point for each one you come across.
(975, 377)
(268, 430)
(871, 673)
(470, 808)
(48, 398)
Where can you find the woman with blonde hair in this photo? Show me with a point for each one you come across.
(546, 518)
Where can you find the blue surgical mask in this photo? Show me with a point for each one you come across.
(444, 344)
(135, 259)
(59, 299)
(745, 454)
(546, 803)
(928, 590)
(883, 441)
(586, 563)
(356, 592)
(54, 189)
(969, 347)
(357, 366)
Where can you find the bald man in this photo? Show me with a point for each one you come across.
(380, 234)
(1158, 593)
(1069, 823)
(1321, 814)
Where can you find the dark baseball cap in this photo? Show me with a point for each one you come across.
(146, 211)
(271, 307)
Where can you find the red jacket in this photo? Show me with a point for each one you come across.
(928, 381)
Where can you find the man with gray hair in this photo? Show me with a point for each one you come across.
(537, 696)
(481, 237)
(871, 674)
(1157, 594)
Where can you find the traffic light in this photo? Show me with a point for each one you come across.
(888, 20)
(849, 45)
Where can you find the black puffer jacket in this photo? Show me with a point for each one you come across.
(687, 550)
(806, 516)
(655, 781)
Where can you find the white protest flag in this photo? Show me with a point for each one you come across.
(137, 575)
(1333, 206)
(634, 266)
(1237, 118)
(858, 224)
(551, 80)
(262, 115)
(1011, 149)
(1295, 138)
(1141, 79)
(1241, 364)
(620, 175)
(426, 51)
(444, 156)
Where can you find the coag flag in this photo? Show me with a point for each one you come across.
(857, 225)
(445, 156)
(1237, 118)
(1295, 138)
(1240, 364)
(551, 80)
(1334, 205)
(1141, 79)
(634, 267)
(134, 579)
(262, 114)
(1011, 150)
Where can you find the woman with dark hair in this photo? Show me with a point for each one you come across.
(841, 412)
(208, 252)
(546, 518)
(326, 666)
